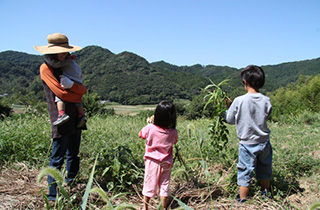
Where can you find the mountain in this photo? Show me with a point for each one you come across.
(130, 79)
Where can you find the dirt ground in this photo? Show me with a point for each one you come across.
(19, 190)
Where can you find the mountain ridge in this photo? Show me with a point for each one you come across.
(128, 78)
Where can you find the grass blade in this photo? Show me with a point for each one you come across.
(183, 205)
(89, 184)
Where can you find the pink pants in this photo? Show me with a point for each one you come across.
(156, 175)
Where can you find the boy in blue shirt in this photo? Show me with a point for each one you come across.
(249, 113)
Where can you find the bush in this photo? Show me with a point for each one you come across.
(92, 105)
(296, 97)
(119, 169)
(195, 109)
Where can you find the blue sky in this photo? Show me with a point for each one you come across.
(182, 32)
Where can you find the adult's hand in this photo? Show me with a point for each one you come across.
(65, 82)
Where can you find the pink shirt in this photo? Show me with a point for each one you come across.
(159, 143)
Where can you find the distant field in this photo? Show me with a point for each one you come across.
(19, 108)
(129, 110)
(118, 108)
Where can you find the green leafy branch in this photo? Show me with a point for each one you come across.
(216, 97)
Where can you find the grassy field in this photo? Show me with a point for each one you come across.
(202, 177)
(129, 110)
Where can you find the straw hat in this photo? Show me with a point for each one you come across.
(57, 43)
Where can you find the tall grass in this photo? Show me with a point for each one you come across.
(25, 138)
(295, 143)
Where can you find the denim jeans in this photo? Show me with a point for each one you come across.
(256, 158)
(65, 146)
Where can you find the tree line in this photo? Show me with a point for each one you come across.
(129, 79)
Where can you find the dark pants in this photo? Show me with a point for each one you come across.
(67, 145)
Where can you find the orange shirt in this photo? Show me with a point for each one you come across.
(73, 95)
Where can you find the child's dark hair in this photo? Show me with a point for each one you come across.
(254, 76)
(165, 115)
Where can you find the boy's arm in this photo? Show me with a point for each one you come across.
(269, 109)
(73, 96)
(230, 114)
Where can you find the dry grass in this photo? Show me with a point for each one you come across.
(19, 190)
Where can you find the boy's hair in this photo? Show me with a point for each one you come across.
(254, 76)
(165, 115)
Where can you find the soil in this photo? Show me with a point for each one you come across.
(19, 189)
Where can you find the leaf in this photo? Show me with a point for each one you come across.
(46, 200)
(183, 205)
(205, 166)
(116, 166)
(63, 191)
(124, 206)
(105, 171)
(89, 184)
(101, 193)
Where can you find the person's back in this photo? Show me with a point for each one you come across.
(161, 134)
(250, 113)
(159, 143)
(73, 71)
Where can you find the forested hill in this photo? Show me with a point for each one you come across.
(130, 79)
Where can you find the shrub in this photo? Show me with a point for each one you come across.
(118, 169)
(92, 105)
(296, 97)
(195, 110)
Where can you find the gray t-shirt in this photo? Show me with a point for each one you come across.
(249, 113)
(73, 71)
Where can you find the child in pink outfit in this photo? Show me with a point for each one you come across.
(160, 136)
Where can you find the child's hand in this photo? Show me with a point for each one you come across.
(228, 102)
(150, 120)
(65, 82)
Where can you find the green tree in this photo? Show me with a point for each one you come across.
(92, 105)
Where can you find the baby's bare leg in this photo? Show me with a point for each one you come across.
(60, 106)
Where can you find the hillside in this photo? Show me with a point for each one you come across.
(130, 79)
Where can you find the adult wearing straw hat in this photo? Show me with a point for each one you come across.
(66, 138)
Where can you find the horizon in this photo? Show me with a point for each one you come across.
(166, 61)
(180, 32)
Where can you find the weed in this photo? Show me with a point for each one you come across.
(218, 129)
(118, 169)
(27, 138)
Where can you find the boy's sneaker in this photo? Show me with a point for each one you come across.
(240, 200)
(61, 119)
(267, 193)
(82, 121)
